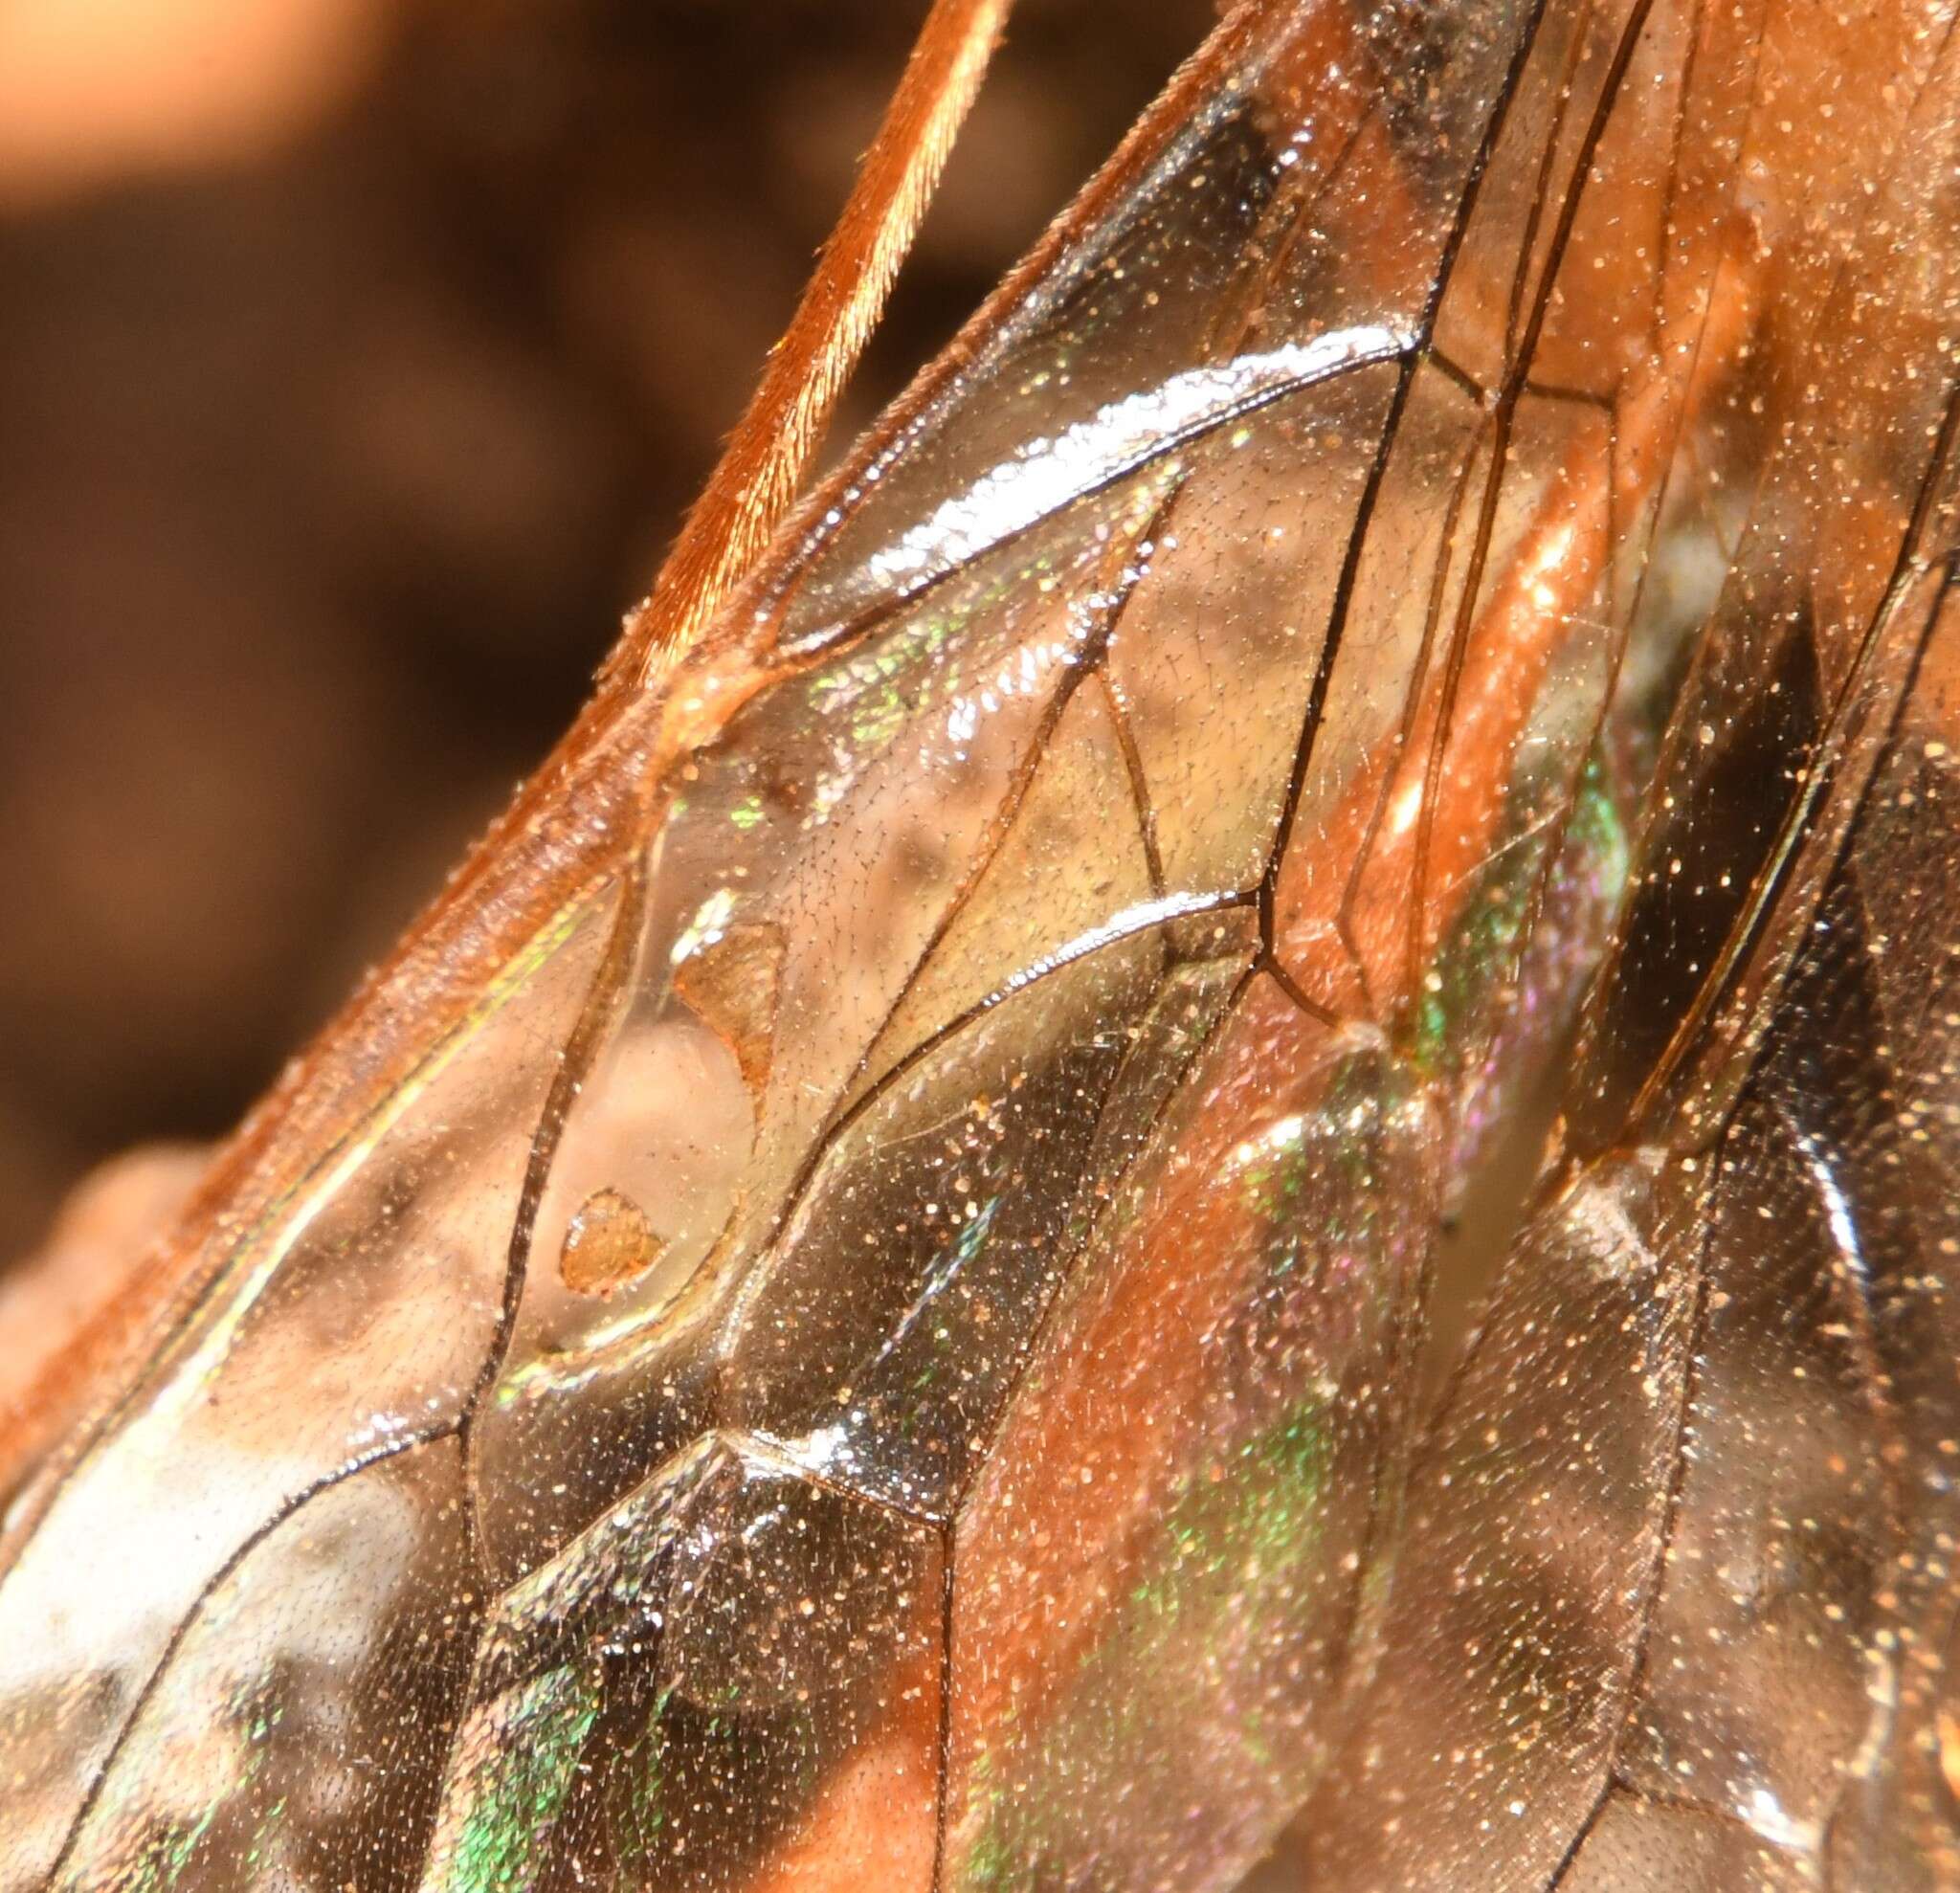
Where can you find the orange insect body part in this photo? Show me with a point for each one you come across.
(849, 1311)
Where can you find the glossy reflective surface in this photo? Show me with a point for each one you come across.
(869, 1334)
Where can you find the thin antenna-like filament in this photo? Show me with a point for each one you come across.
(764, 463)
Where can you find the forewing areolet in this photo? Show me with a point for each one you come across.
(849, 1310)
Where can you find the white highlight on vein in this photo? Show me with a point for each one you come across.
(1045, 474)
(1838, 1214)
(1132, 921)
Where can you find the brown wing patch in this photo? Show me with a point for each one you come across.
(734, 983)
(608, 1243)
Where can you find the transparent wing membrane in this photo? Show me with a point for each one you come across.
(852, 1312)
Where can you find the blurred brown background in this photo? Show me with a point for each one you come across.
(357, 357)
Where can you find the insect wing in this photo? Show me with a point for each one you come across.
(863, 1330)
(836, 1058)
(1674, 1605)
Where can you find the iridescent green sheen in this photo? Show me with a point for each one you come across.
(502, 1840)
(1225, 1570)
(1477, 966)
